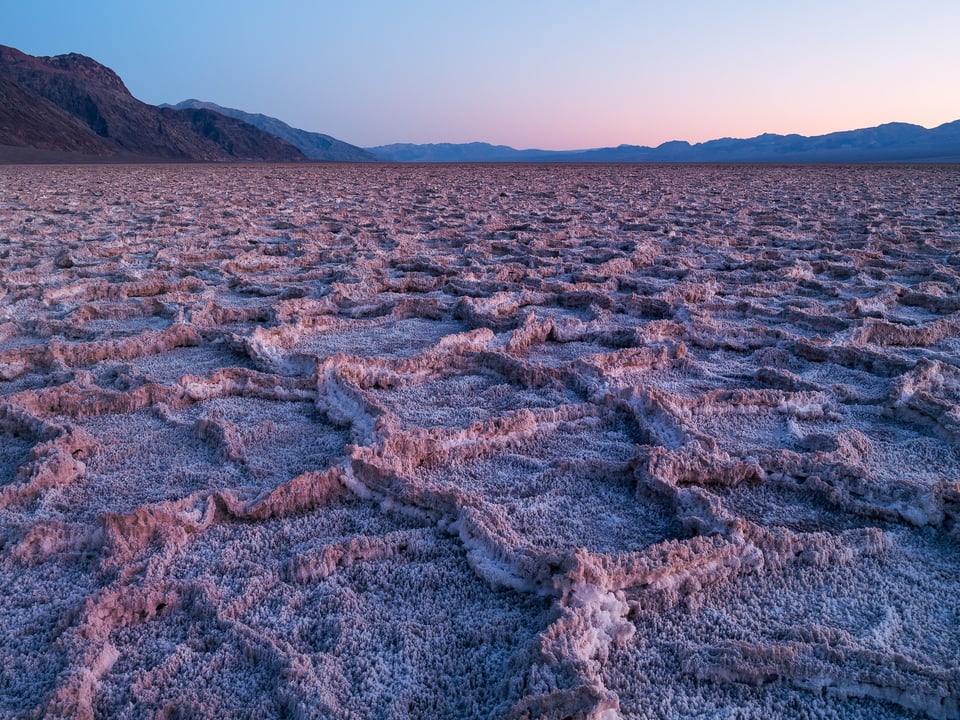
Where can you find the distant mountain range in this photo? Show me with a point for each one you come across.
(70, 108)
(315, 146)
(893, 142)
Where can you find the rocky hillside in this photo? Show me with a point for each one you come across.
(73, 105)
(316, 146)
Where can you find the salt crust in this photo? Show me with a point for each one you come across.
(587, 442)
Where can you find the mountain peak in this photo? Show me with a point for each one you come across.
(88, 68)
(75, 64)
(73, 104)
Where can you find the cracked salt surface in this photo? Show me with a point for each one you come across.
(462, 441)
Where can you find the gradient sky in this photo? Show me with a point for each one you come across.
(541, 73)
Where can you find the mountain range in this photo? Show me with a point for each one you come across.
(70, 108)
(315, 146)
(892, 142)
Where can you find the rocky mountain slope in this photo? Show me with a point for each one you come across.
(74, 105)
(29, 120)
(316, 146)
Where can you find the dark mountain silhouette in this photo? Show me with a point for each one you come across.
(893, 142)
(73, 105)
(316, 146)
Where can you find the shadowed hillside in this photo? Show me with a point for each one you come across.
(72, 104)
(316, 146)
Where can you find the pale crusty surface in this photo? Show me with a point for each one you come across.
(467, 441)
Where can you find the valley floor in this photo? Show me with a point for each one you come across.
(465, 441)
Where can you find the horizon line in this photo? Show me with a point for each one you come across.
(634, 145)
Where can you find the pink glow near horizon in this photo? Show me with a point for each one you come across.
(557, 75)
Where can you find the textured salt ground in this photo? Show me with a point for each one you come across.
(20, 340)
(39, 603)
(252, 541)
(461, 400)
(170, 366)
(560, 314)
(108, 328)
(847, 621)
(567, 488)
(286, 633)
(916, 455)
(14, 452)
(280, 440)
(133, 465)
(750, 429)
(31, 381)
(790, 506)
(584, 440)
(391, 339)
(554, 354)
(828, 375)
(566, 511)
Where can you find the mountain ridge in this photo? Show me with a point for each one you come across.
(72, 108)
(314, 145)
(890, 142)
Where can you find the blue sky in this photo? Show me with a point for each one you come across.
(528, 74)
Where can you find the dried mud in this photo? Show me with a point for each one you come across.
(505, 442)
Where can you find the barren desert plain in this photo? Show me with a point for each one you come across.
(350, 442)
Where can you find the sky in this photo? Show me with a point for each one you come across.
(551, 74)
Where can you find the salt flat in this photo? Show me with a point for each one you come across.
(467, 441)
